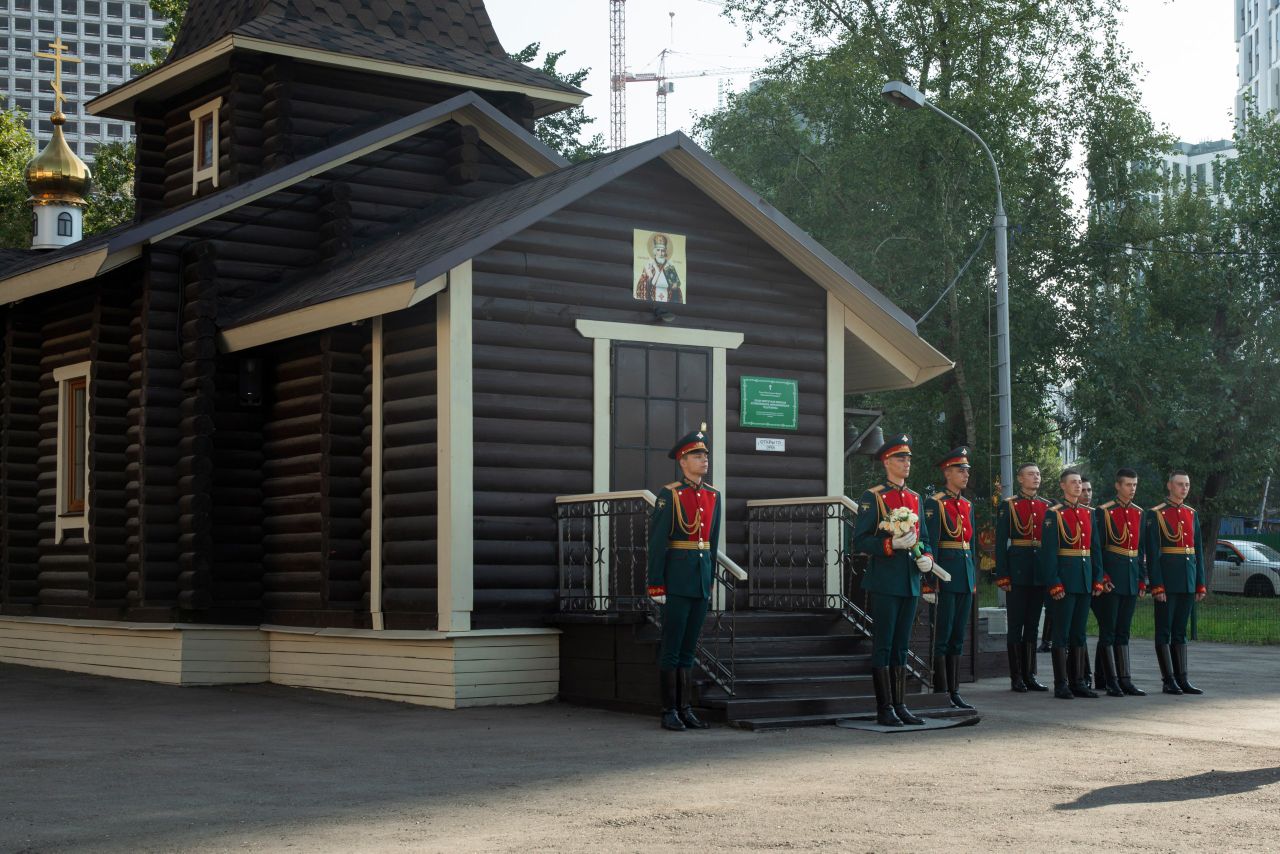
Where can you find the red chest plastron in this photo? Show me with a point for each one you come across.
(958, 523)
(1075, 528)
(1124, 526)
(1028, 518)
(696, 508)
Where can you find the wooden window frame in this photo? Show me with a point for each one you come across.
(71, 515)
(211, 110)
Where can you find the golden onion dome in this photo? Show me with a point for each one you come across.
(56, 175)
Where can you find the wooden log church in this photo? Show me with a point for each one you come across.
(321, 414)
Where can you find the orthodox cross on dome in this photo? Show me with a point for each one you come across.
(57, 56)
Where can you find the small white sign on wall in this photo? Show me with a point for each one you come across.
(775, 445)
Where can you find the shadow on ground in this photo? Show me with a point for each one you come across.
(1212, 784)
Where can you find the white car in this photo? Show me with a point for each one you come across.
(1241, 566)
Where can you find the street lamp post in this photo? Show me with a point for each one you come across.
(910, 98)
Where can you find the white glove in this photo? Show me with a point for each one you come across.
(924, 563)
(931, 598)
(659, 600)
(904, 541)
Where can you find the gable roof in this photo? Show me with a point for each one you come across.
(886, 342)
(450, 42)
(40, 271)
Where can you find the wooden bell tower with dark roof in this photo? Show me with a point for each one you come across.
(253, 84)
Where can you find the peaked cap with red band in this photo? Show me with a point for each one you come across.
(898, 443)
(957, 457)
(690, 442)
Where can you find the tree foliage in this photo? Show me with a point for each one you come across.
(1182, 310)
(111, 200)
(903, 197)
(16, 148)
(563, 131)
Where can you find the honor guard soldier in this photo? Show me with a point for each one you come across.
(1072, 561)
(1176, 566)
(1118, 525)
(892, 579)
(948, 519)
(1019, 528)
(684, 531)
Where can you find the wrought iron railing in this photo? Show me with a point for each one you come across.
(603, 552)
(801, 557)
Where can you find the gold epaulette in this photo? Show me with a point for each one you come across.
(939, 496)
(1159, 506)
(673, 486)
(1107, 505)
(1055, 507)
(1189, 507)
(706, 485)
(877, 489)
(1086, 507)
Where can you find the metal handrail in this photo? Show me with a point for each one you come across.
(727, 574)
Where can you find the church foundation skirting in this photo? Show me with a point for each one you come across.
(458, 670)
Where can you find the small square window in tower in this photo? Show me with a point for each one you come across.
(204, 136)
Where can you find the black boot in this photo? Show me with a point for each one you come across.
(1180, 669)
(684, 700)
(670, 717)
(940, 674)
(1015, 669)
(884, 697)
(898, 681)
(1029, 668)
(1099, 673)
(953, 682)
(1123, 673)
(1045, 646)
(1078, 658)
(1170, 686)
(1061, 687)
(1107, 667)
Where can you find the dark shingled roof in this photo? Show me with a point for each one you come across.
(437, 245)
(428, 244)
(454, 36)
(15, 258)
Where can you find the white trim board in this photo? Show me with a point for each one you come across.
(455, 454)
(654, 334)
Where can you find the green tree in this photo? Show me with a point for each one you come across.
(904, 197)
(174, 11)
(16, 148)
(1182, 312)
(563, 131)
(111, 200)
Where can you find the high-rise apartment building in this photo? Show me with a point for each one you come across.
(1258, 55)
(105, 36)
(1200, 164)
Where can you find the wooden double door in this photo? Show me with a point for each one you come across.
(660, 393)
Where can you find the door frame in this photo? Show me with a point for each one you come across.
(603, 333)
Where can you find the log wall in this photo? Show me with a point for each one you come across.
(409, 496)
(19, 459)
(533, 370)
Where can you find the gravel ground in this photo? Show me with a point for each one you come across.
(95, 764)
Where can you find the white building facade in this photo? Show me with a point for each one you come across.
(1258, 55)
(105, 36)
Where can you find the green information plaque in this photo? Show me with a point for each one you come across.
(770, 403)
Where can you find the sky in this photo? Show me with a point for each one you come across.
(1187, 48)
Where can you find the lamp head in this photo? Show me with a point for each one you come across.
(901, 95)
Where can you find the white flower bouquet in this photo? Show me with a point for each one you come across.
(900, 521)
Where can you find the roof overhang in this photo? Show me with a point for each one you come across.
(886, 351)
(206, 63)
(469, 109)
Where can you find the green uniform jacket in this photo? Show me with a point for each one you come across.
(1127, 574)
(683, 572)
(1076, 573)
(894, 575)
(1019, 564)
(958, 562)
(1175, 573)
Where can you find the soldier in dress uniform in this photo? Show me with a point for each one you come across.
(948, 519)
(684, 532)
(1019, 528)
(1176, 565)
(892, 578)
(1072, 561)
(1118, 524)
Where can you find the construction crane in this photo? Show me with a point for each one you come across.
(619, 77)
(665, 87)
